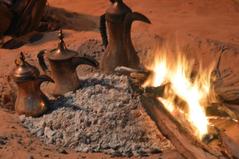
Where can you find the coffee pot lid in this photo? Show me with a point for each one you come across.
(24, 71)
(118, 8)
(62, 52)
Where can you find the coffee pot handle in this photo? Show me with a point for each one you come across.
(41, 60)
(103, 30)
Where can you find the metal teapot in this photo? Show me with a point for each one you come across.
(63, 64)
(120, 51)
(30, 99)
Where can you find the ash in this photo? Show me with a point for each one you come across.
(104, 115)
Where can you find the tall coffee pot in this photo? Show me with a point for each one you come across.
(117, 21)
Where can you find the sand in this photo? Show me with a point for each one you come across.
(189, 22)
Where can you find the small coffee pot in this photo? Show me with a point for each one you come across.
(30, 99)
(63, 64)
(120, 51)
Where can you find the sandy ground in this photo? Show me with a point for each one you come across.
(171, 19)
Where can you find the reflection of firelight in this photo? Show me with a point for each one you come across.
(195, 93)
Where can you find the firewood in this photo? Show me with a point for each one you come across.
(226, 86)
(184, 142)
(230, 145)
(127, 70)
(138, 76)
(156, 91)
(221, 110)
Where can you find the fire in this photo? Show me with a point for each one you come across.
(192, 90)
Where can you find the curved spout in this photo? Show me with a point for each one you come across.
(44, 78)
(130, 18)
(76, 61)
(133, 17)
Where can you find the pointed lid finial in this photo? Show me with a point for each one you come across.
(24, 71)
(61, 36)
(118, 8)
(62, 52)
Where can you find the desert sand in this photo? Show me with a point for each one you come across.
(186, 21)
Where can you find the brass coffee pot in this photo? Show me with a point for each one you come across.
(63, 64)
(120, 51)
(30, 99)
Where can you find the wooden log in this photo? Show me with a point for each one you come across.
(184, 142)
(230, 146)
(156, 91)
(137, 76)
(227, 88)
(221, 110)
(128, 70)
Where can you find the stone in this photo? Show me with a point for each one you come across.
(62, 151)
(3, 140)
(30, 157)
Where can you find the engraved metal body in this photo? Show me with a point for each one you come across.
(63, 64)
(30, 99)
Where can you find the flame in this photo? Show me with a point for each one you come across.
(194, 91)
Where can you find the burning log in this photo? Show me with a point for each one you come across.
(217, 109)
(184, 142)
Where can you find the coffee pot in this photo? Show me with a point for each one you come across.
(30, 99)
(118, 21)
(63, 63)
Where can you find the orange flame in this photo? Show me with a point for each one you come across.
(194, 91)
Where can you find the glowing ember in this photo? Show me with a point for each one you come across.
(193, 91)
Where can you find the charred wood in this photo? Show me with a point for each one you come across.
(184, 142)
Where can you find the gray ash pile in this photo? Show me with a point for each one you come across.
(105, 115)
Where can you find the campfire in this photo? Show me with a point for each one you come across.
(186, 94)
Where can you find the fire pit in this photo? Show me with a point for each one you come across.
(115, 115)
(185, 98)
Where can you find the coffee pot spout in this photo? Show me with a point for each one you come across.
(44, 78)
(76, 61)
(135, 16)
